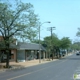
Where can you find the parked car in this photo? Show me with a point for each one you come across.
(62, 52)
(78, 53)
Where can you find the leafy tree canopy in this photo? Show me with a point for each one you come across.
(78, 33)
(76, 46)
(65, 42)
(18, 20)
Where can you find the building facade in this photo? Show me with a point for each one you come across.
(21, 51)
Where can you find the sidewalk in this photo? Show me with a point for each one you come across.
(21, 65)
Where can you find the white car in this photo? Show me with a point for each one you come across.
(78, 53)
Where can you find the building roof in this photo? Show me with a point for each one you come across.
(25, 46)
(29, 46)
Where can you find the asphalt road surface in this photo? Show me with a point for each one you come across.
(62, 69)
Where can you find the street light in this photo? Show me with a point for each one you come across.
(39, 40)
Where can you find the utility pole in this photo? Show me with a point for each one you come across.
(51, 30)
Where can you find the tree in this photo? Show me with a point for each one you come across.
(53, 42)
(75, 46)
(56, 44)
(18, 21)
(78, 33)
(50, 42)
(65, 43)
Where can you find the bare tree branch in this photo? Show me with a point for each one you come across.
(14, 33)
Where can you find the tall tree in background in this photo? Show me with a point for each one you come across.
(75, 46)
(50, 42)
(65, 42)
(17, 20)
(78, 33)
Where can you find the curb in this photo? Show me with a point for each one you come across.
(17, 68)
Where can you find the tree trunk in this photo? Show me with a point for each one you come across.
(7, 61)
(52, 55)
(7, 51)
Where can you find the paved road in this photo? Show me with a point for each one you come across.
(62, 69)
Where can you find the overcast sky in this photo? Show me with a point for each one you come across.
(63, 14)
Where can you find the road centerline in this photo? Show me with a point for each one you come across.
(34, 71)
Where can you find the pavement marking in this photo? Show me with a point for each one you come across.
(47, 62)
(33, 72)
(26, 67)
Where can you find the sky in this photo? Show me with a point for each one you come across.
(64, 15)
